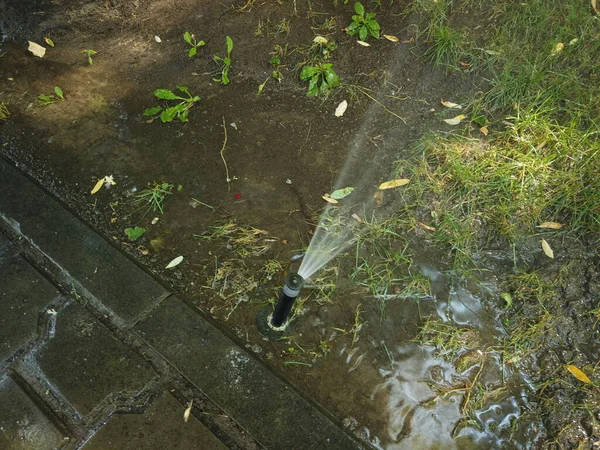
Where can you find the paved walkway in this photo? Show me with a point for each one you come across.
(95, 354)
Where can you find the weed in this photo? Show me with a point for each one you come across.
(224, 63)
(321, 79)
(363, 24)
(283, 27)
(356, 327)
(181, 110)
(191, 39)
(46, 100)
(89, 54)
(446, 49)
(154, 197)
(4, 112)
(271, 268)
(135, 233)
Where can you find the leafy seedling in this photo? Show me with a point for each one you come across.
(275, 62)
(46, 100)
(224, 63)
(135, 233)
(321, 78)
(363, 24)
(180, 110)
(89, 54)
(191, 39)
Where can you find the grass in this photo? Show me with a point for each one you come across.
(4, 112)
(243, 241)
(153, 198)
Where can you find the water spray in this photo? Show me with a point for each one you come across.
(291, 289)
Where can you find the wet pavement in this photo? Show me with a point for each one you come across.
(96, 354)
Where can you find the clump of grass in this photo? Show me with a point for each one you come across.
(446, 46)
(243, 241)
(4, 112)
(153, 197)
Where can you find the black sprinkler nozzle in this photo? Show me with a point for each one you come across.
(291, 289)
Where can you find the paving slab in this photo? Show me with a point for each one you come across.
(23, 426)
(270, 410)
(160, 427)
(23, 294)
(4, 242)
(86, 362)
(96, 265)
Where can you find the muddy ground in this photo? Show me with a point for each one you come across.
(283, 152)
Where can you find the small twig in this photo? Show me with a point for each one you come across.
(364, 92)
(223, 157)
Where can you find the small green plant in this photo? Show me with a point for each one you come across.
(46, 100)
(446, 47)
(89, 54)
(4, 112)
(181, 110)
(363, 24)
(275, 62)
(135, 233)
(224, 63)
(191, 39)
(321, 78)
(154, 197)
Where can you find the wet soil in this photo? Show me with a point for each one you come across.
(283, 152)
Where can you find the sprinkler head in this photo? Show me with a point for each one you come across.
(291, 289)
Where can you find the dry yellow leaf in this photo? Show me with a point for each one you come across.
(36, 49)
(455, 120)
(426, 227)
(578, 374)
(558, 48)
(378, 198)
(49, 41)
(484, 131)
(394, 183)
(188, 411)
(551, 225)
(363, 43)
(327, 198)
(450, 104)
(547, 249)
(320, 40)
(390, 37)
(98, 185)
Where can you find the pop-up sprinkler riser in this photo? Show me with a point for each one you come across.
(291, 289)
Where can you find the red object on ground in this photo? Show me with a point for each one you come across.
(237, 196)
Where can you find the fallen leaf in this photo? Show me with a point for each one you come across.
(427, 227)
(378, 198)
(390, 37)
(36, 49)
(455, 120)
(547, 249)
(450, 104)
(341, 109)
(394, 183)
(464, 64)
(341, 193)
(49, 41)
(558, 48)
(573, 41)
(551, 225)
(357, 218)
(157, 39)
(175, 262)
(109, 181)
(363, 43)
(578, 374)
(97, 186)
(484, 131)
(327, 198)
(188, 411)
(595, 7)
(320, 40)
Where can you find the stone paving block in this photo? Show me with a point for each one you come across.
(86, 362)
(4, 242)
(273, 413)
(100, 268)
(160, 427)
(23, 426)
(23, 294)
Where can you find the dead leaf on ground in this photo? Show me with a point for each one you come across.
(188, 411)
(558, 48)
(484, 131)
(378, 198)
(450, 104)
(426, 227)
(551, 225)
(577, 373)
(547, 249)
(36, 49)
(174, 262)
(394, 183)
(328, 199)
(341, 193)
(341, 109)
(391, 38)
(455, 120)
(49, 41)
(595, 7)
(97, 186)
(363, 43)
